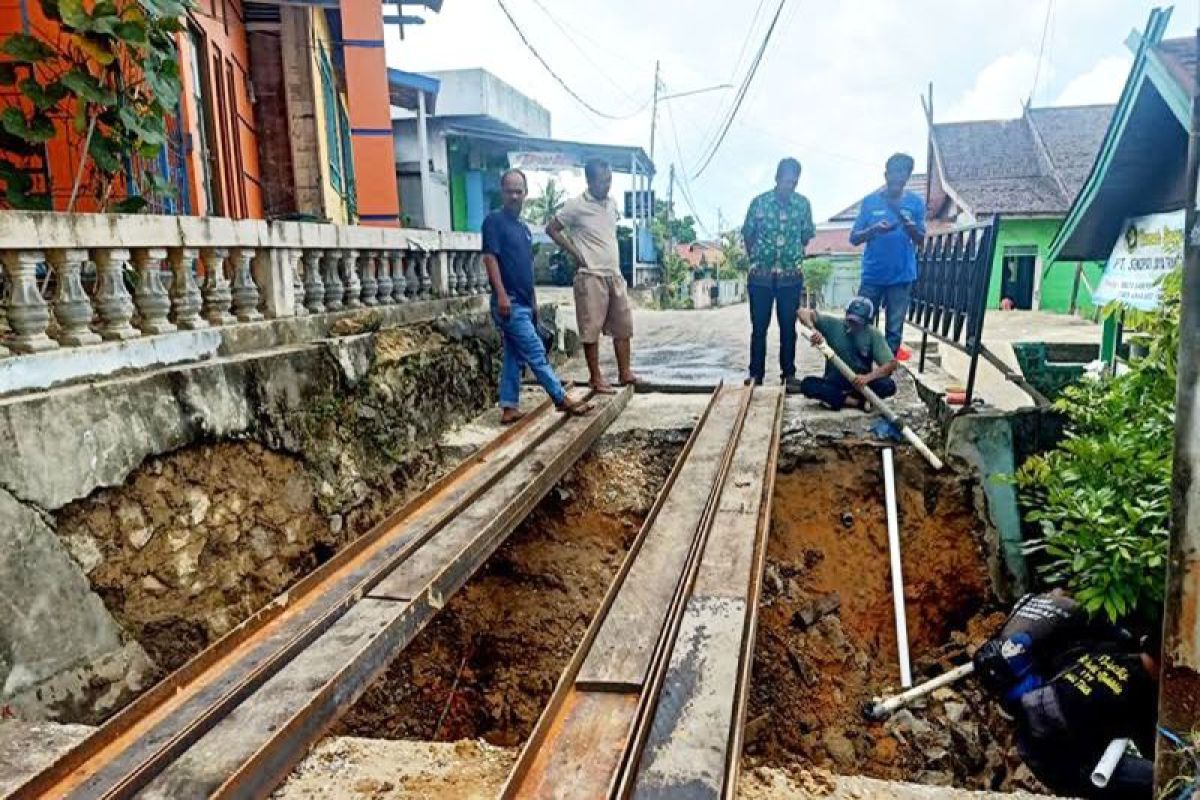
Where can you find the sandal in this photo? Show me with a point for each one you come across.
(520, 415)
(574, 408)
(603, 388)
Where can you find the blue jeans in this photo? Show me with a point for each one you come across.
(522, 346)
(895, 299)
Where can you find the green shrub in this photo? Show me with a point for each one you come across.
(1102, 496)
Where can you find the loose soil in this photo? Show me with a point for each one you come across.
(826, 639)
(487, 664)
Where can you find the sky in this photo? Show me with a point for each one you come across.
(839, 86)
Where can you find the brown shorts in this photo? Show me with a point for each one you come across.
(602, 306)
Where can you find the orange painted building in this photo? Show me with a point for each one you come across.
(301, 87)
(212, 157)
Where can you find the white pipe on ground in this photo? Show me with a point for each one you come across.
(1107, 764)
(886, 706)
(889, 487)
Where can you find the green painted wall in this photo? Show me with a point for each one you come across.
(1057, 281)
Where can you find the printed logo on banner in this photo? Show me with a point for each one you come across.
(1149, 248)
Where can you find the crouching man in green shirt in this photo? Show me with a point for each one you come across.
(860, 345)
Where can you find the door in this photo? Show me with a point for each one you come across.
(1020, 266)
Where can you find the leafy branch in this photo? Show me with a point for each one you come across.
(107, 84)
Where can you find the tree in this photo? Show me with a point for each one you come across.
(667, 227)
(108, 81)
(736, 262)
(540, 210)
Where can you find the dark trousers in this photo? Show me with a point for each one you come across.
(783, 292)
(833, 390)
(1068, 771)
(895, 299)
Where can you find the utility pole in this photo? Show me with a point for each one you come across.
(1179, 687)
(654, 111)
(671, 210)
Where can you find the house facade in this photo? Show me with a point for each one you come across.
(1028, 172)
(284, 113)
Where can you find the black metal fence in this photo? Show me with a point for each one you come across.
(949, 298)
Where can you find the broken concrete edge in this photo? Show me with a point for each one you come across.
(66, 366)
(62, 652)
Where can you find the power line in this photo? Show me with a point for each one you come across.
(1041, 50)
(555, 75)
(742, 91)
(685, 189)
(711, 127)
(562, 26)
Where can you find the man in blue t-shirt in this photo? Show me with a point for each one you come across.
(508, 257)
(892, 224)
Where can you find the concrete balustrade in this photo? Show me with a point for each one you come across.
(80, 281)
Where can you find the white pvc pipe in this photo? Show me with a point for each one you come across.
(885, 707)
(889, 486)
(1113, 754)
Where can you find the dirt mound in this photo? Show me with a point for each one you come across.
(486, 665)
(827, 643)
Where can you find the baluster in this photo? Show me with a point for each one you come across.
(412, 274)
(481, 280)
(185, 294)
(296, 263)
(370, 285)
(314, 287)
(353, 286)
(384, 277)
(72, 308)
(217, 294)
(28, 314)
(334, 290)
(245, 292)
(455, 282)
(426, 262)
(153, 304)
(112, 300)
(399, 282)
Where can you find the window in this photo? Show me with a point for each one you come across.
(333, 121)
(202, 102)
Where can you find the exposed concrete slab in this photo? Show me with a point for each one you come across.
(51, 622)
(27, 748)
(30, 373)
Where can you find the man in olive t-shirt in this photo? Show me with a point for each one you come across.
(860, 345)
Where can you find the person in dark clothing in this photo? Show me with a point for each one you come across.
(508, 257)
(1074, 686)
(778, 225)
(861, 346)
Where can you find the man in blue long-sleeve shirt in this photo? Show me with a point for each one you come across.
(892, 224)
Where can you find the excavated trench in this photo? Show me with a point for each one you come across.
(485, 667)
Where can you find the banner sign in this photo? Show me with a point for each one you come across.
(542, 162)
(1149, 248)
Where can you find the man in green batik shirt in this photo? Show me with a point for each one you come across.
(778, 226)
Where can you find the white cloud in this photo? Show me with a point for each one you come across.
(999, 90)
(1101, 84)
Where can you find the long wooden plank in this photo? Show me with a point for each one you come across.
(256, 745)
(118, 760)
(687, 751)
(620, 656)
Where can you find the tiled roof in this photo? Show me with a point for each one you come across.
(831, 241)
(916, 184)
(1032, 165)
(1179, 55)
